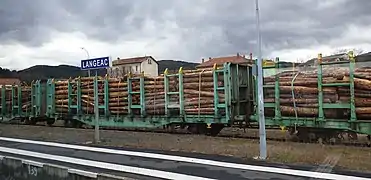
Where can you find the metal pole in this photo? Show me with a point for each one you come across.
(87, 53)
(96, 109)
(262, 133)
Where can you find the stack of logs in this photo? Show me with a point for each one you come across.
(303, 90)
(25, 95)
(198, 94)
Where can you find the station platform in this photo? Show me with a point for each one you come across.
(51, 160)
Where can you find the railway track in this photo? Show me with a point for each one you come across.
(227, 134)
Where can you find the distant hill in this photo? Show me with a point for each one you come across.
(284, 64)
(43, 72)
(174, 65)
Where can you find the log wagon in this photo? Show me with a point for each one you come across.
(325, 101)
(202, 101)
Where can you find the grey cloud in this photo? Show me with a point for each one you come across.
(206, 27)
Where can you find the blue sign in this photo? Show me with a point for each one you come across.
(96, 63)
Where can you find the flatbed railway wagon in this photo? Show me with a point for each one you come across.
(328, 101)
(202, 101)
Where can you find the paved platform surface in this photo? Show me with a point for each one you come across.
(152, 165)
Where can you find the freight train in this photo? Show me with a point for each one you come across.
(202, 101)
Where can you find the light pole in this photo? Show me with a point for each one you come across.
(96, 108)
(87, 53)
(262, 133)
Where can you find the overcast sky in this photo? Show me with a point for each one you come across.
(52, 31)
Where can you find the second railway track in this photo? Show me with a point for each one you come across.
(227, 133)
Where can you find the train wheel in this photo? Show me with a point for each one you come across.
(292, 134)
(302, 134)
(50, 122)
(197, 128)
(171, 128)
(318, 135)
(352, 136)
(76, 123)
(67, 123)
(31, 121)
(215, 129)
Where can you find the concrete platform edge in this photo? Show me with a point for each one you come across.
(16, 168)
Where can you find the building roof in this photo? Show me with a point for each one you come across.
(237, 59)
(133, 60)
(10, 81)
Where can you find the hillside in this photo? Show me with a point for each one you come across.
(174, 65)
(44, 72)
(65, 71)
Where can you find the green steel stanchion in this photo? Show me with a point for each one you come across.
(19, 101)
(79, 97)
(13, 100)
(38, 99)
(353, 116)
(227, 90)
(69, 95)
(106, 96)
(74, 95)
(51, 96)
(320, 90)
(181, 92)
(130, 95)
(49, 101)
(264, 67)
(277, 91)
(142, 96)
(236, 78)
(141, 93)
(33, 94)
(216, 97)
(166, 89)
(321, 104)
(3, 101)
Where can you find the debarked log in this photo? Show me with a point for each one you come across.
(202, 93)
(358, 101)
(302, 90)
(363, 110)
(304, 111)
(186, 103)
(362, 84)
(299, 101)
(308, 82)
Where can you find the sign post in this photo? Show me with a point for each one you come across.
(89, 64)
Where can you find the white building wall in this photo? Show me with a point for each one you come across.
(121, 70)
(150, 67)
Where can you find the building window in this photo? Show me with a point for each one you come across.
(114, 72)
(117, 73)
(136, 68)
(149, 61)
(123, 71)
